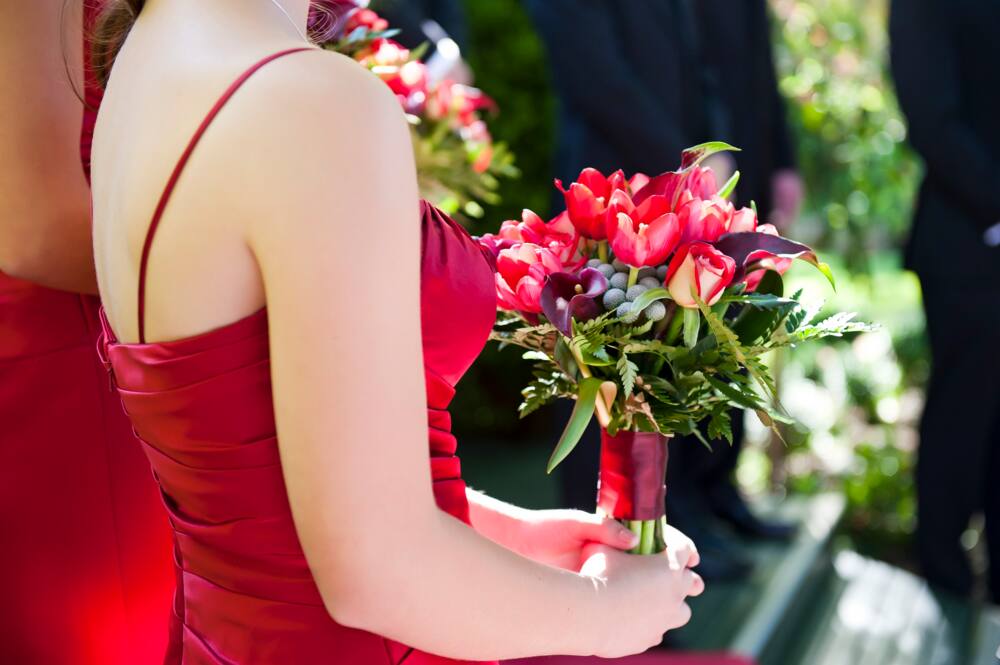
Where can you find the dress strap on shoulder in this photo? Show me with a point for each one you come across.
(179, 168)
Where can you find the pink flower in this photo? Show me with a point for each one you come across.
(520, 276)
(384, 52)
(391, 62)
(367, 19)
(698, 268)
(637, 182)
(587, 200)
(558, 235)
(484, 157)
(461, 102)
(705, 219)
(697, 182)
(744, 221)
(766, 261)
(643, 235)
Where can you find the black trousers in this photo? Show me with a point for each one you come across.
(958, 467)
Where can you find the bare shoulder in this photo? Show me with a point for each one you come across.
(326, 135)
(324, 99)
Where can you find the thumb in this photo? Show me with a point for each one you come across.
(613, 533)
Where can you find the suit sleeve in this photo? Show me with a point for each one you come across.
(925, 67)
(598, 83)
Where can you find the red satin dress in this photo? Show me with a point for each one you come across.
(202, 407)
(86, 572)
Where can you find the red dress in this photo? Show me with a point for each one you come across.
(202, 407)
(86, 574)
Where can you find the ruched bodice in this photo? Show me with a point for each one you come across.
(202, 408)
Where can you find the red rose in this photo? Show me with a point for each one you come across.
(698, 268)
(587, 200)
(642, 235)
(521, 273)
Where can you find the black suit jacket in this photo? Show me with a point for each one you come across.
(736, 38)
(945, 59)
(629, 93)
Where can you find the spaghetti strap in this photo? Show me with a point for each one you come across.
(179, 168)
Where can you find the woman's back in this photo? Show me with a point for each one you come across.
(202, 403)
(167, 78)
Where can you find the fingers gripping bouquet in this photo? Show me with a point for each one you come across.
(651, 303)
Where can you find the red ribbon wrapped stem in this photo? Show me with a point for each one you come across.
(633, 469)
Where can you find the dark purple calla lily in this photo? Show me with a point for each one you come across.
(750, 247)
(567, 296)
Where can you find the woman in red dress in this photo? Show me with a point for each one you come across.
(287, 353)
(86, 571)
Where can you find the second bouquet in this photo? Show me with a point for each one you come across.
(651, 302)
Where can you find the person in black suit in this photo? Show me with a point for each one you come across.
(628, 82)
(944, 60)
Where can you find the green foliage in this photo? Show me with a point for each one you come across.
(583, 412)
(660, 386)
(510, 65)
(860, 176)
(859, 401)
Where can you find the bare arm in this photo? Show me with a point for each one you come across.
(338, 248)
(44, 198)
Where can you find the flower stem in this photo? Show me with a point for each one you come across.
(633, 276)
(635, 526)
(676, 323)
(647, 539)
(602, 251)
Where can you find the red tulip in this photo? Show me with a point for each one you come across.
(637, 182)
(699, 269)
(705, 219)
(643, 235)
(558, 235)
(744, 221)
(520, 276)
(587, 200)
(698, 182)
(766, 261)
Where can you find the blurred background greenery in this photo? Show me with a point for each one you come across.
(858, 400)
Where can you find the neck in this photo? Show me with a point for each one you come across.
(235, 15)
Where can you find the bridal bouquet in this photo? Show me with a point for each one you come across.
(652, 303)
(458, 163)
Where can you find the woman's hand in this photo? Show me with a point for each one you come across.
(558, 537)
(646, 595)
